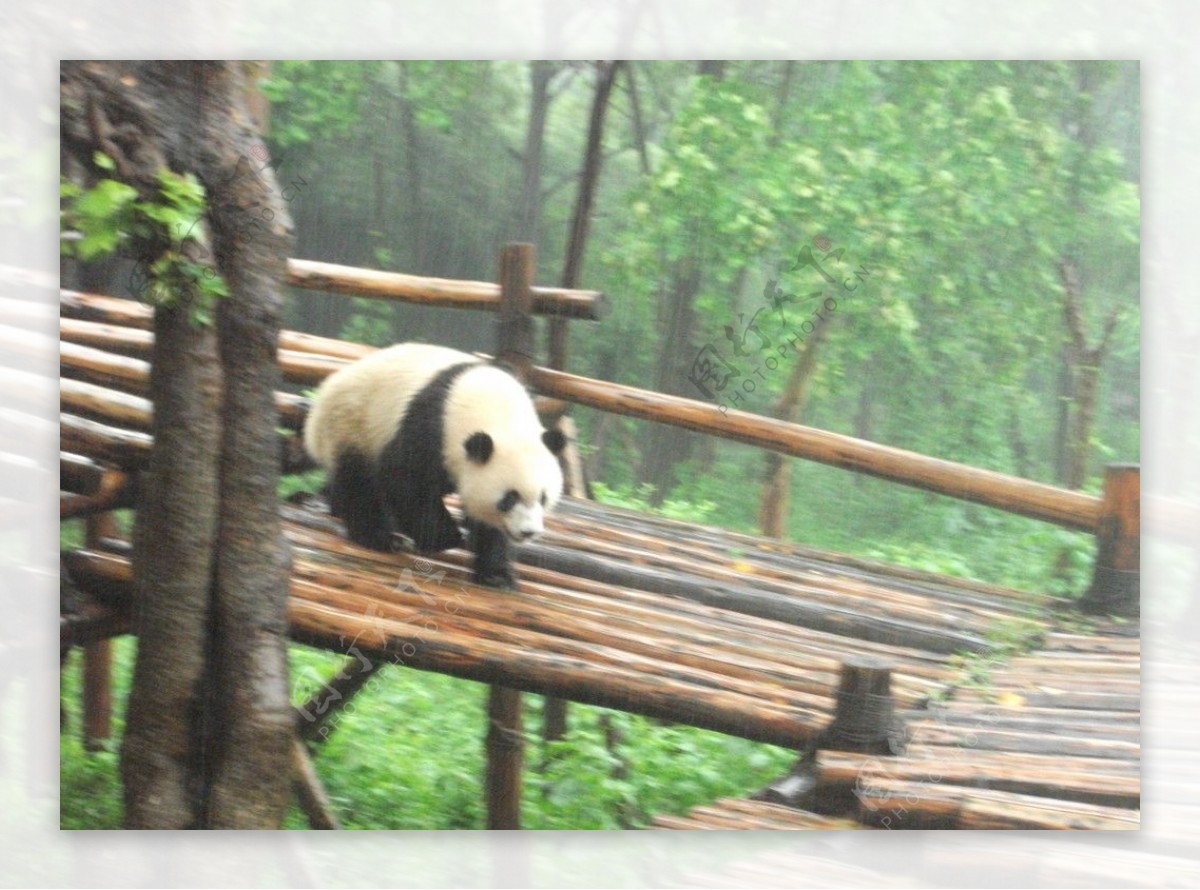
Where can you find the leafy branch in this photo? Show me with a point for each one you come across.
(166, 236)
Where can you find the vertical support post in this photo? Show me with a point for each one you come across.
(516, 346)
(97, 660)
(505, 753)
(504, 743)
(865, 719)
(1116, 578)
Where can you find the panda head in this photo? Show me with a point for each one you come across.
(511, 481)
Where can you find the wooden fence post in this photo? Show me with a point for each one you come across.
(1116, 578)
(97, 659)
(865, 718)
(504, 743)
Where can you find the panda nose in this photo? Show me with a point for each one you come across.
(527, 533)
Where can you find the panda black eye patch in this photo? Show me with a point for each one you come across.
(509, 501)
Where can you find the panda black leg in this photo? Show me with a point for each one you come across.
(492, 564)
(431, 527)
(354, 497)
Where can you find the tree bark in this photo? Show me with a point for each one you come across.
(777, 470)
(606, 73)
(1084, 374)
(554, 724)
(249, 626)
(540, 74)
(662, 447)
(162, 754)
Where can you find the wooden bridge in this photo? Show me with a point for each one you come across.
(858, 666)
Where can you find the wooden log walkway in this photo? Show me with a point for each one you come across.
(1050, 741)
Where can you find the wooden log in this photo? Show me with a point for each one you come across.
(97, 660)
(478, 295)
(912, 805)
(1116, 578)
(127, 449)
(108, 405)
(1070, 509)
(794, 657)
(104, 368)
(113, 311)
(92, 623)
(525, 621)
(515, 333)
(114, 380)
(78, 474)
(117, 491)
(752, 601)
(310, 793)
(504, 745)
(622, 683)
(556, 302)
(314, 717)
(295, 341)
(1062, 777)
(298, 367)
(104, 309)
(126, 341)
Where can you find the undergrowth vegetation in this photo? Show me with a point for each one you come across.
(407, 753)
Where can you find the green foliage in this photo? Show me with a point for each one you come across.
(639, 497)
(371, 323)
(165, 235)
(407, 753)
(655, 769)
(310, 481)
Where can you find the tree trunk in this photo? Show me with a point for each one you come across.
(540, 74)
(662, 446)
(777, 474)
(209, 725)
(249, 627)
(554, 724)
(163, 753)
(639, 126)
(606, 73)
(1085, 374)
(412, 162)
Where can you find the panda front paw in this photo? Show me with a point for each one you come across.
(495, 576)
(376, 539)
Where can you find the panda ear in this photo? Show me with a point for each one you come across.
(479, 447)
(554, 440)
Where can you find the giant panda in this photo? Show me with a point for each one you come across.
(408, 424)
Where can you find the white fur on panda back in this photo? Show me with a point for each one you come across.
(363, 403)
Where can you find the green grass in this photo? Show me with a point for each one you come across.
(407, 753)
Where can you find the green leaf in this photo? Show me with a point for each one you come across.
(106, 199)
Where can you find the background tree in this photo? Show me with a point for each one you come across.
(961, 186)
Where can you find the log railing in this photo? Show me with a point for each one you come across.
(1072, 509)
(480, 295)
